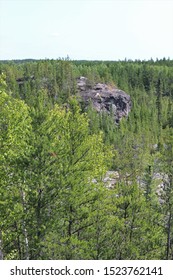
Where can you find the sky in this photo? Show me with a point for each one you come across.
(86, 29)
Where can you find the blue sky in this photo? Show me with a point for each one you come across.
(86, 29)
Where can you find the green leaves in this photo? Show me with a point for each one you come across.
(78, 159)
(15, 131)
(15, 127)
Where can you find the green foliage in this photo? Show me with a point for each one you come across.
(54, 157)
(15, 131)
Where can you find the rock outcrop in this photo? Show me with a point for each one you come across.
(105, 98)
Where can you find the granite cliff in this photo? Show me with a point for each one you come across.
(104, 98)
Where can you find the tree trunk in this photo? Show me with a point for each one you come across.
(1, 249)
(168, 245)
(26, 252)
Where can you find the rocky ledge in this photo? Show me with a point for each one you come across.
(105, 98)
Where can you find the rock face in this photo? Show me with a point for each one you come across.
(105, 98)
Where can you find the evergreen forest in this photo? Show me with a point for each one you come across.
(55, 154)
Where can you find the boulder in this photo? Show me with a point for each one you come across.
(104, 98)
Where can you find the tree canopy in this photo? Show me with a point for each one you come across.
(73, 183)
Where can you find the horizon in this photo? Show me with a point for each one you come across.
(92, 60)
(86, 30)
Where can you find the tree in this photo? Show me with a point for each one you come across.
(78, 161)
(15, 130)
(159, 111)
(167, 194)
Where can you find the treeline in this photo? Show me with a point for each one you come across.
(54, 155)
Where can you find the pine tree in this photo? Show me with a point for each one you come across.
(79, 160)
(15, 130)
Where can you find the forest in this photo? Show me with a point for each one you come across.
(55, 154)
